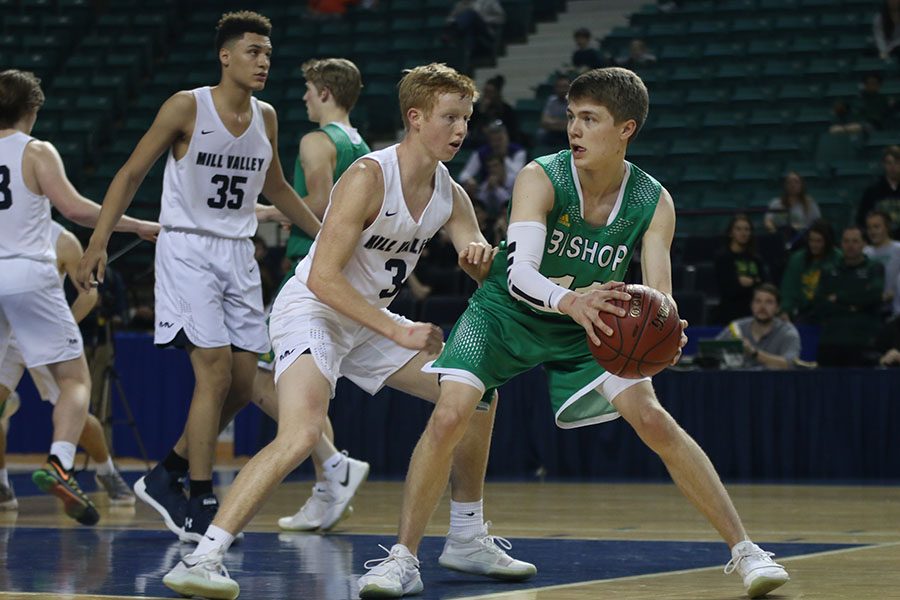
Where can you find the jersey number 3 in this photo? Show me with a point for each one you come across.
(398, 267)
(5, 192)
(227, 185)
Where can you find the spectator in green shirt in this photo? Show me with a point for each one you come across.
(804, 269)
(846, 305)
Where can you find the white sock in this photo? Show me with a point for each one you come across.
(65, 452)
(4, 477)
(466, 518)
(214, 538)
(106, 468)
(330, 466)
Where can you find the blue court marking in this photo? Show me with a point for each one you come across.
(272, 566)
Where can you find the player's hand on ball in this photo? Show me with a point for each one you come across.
(585, 308)
(681, 344)
(476, 259)
(421, 336)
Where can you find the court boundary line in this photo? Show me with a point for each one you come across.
(512, 593)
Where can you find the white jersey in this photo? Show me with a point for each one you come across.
(389, 248)
(213, 188)
(24, 215)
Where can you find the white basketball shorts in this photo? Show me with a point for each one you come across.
(43, 325)
(13, 367)
(340, 346)
(210, 288)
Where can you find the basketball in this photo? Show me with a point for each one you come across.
(645, 340)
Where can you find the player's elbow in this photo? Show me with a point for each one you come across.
(319, 282)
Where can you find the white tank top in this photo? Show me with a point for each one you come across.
(389, 248)
(24, 215)
(213, 188)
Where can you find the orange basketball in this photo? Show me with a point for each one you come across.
(645, 340)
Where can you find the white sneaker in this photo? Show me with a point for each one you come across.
(343, 487)
(395, 576)
(484, 554)
(203, 575)
(760, 573)
(310, 515)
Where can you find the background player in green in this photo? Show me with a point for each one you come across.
(333, 86)
(575, 221)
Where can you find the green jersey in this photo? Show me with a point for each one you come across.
(501, 334)
(348, 151)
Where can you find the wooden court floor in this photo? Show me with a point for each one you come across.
(562, 525)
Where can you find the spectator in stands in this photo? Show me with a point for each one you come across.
(846, 305)
(794, 211)
(513, 156)
(492, 107)
(585, 57)
(553, 119)
(769, 342)
(884, 250)
(886, 29)
(888, 344)
(884, 194)
(739, 269)
(869, 111)
(495, 191)
(477, 24)
(638, 56)
(804, 270)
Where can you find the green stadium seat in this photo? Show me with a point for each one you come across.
(841, 89)
(770, 116)
(692, 146)
(800, 91)
(768, 46)
(752, 94)
(718, 94)
(796, 24)
(812, 44)
(680, 52)
(724, 119)
(753, 26)
(742, 145)
(748, 172)
(729, 49)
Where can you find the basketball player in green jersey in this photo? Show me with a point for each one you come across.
(576, 219)
(333, 86)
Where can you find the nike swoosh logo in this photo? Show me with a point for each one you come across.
(391, 214)
(62, 472)
(471, 514)
(346, 479)
(210, 538)
(205, 132)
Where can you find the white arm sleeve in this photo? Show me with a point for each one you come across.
(524, 248)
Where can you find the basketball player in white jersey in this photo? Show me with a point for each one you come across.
(331, 320)
(222, 153)
(68, 253)
(32, 303)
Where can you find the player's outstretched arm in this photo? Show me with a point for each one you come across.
(355, 203)
(526, 237)
(174, 121)
(656, 263)
(68, 253)
(474, 253)
(277, 189)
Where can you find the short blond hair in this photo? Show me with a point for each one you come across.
(339, 76)
(421, 86)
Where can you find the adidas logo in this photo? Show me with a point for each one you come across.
(286, 353)
(166, 324)
(564, 220)
(210, 502)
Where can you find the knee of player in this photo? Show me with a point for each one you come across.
(657, 427)
(449, 423)
(298, 444)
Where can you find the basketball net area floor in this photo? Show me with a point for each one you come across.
(588, 540)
